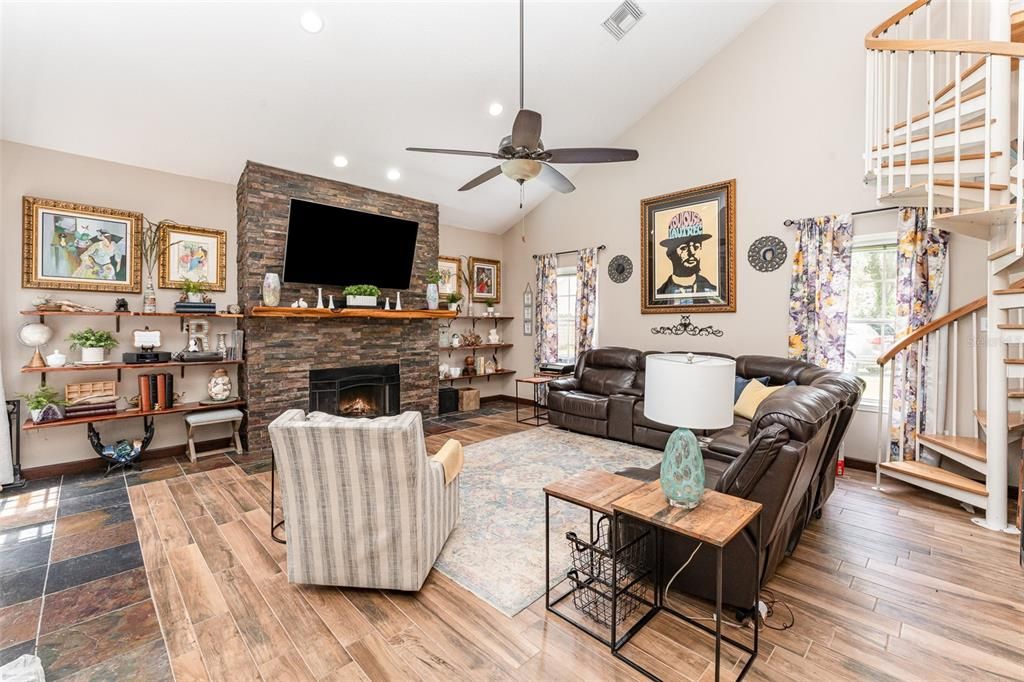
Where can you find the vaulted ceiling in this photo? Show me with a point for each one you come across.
(196, 88)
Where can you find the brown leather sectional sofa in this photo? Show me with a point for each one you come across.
(784, 457)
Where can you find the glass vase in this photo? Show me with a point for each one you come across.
(271, 289)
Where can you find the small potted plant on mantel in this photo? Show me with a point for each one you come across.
(361, 295)
(93, 344)
(453, 300)
(40, 398)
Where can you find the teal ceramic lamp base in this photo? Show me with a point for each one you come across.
(682, 470)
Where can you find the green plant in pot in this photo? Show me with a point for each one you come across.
(193, 290)
(93, 344)
(490, 305)
(453, 300)
(433, 279)
(361, 295)
(41, 397)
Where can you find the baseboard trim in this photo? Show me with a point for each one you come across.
(83, 466)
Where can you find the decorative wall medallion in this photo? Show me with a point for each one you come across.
(767, 254)
(620, 268)
(686, 328)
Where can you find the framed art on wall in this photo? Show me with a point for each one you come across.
(196, 254)
(528, 311)
(451, 282)
(485, 276)
(79, 247)
(688, 251)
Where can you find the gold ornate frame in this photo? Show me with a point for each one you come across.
(473, 261)
(647, 306)
(165, 281)
(31, 277)
(457, 262)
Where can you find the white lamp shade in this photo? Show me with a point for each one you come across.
(695, 394)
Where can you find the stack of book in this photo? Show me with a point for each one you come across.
(91, 409)
(195, 308)
(156, 391)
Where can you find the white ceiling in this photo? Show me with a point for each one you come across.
(198, 88)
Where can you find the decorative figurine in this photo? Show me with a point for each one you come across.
(302, 303)
(234, 308)
(219, 386)
(492, 337)
(120, 305)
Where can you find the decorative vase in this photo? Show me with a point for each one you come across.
(445, 337)
(222, 344)
(330, 302)
(271, 289)
(319, 297)
(398, 300)
(432, 297)
(219, 386)
(93, 356)
(149, 298)
(682, 470)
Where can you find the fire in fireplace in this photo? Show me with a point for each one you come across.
(364, 391)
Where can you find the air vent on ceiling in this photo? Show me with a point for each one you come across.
(625, 17)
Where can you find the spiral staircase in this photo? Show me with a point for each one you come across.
(942, 121)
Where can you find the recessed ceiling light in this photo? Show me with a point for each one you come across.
(340, 161)
(495, 109)
(311, 21)
(393, 174)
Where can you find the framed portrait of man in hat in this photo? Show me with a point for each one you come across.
(688, 251)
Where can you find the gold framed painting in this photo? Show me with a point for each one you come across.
(688, 251)
(195, 254)
(485, 276)
(449, 267)
(78, 247)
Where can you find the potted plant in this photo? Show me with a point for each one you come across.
(490, 306)
(453, 300)
(361, 295)
(94, 344)
(39, 399)
(433, 279)
(193, 290)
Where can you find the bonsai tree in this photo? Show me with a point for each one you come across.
(361, 290)
(41, 397)
(90, 338)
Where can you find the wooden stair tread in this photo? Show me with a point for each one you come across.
(1007, 292)
(967, 97)
(974, 125)
(1008, 325)
(1015, 394)
(1014, 420)
(940, 159)
(977, 222)
(996, 255)
(928, 472)
(1014, 361)
(965, 445)
(948, 87)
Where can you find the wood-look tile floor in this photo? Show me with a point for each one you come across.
(897, 586)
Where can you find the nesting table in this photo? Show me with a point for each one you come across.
(537, 416)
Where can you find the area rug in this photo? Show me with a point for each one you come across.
(497, 549)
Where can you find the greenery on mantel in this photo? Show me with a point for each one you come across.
(361, 290)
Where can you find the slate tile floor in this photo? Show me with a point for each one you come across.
(73, 588)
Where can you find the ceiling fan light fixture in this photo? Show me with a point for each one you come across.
(521, 170)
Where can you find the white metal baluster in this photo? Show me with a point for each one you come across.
(919, 370)
(868, 111)
(910, 106)
(880, 436)
(988, 133)
(956, 138)
(891, 123)
(1019, 247)
(879, 107)
(956, 354)
(931, 137)
(975, 374)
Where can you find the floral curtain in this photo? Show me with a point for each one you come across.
(920, 271)
(586, 299)
(818, 291)
(545, 337)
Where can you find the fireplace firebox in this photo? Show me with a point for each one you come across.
(364, 391)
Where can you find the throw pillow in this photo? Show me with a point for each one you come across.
(752, 396)
(741, 384)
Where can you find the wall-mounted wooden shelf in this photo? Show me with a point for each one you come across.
(482, 345)
(29, 425)
(470, 377)
(123, 365)
(117, 316)
(375, 313)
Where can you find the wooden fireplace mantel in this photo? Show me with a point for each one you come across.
(267, 311)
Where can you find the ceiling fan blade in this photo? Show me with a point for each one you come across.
(526, 129)
(482, 178)
(555, 180)
(459, 152)
(591, 155)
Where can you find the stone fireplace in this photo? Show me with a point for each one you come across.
(364, 391)
(282, 355)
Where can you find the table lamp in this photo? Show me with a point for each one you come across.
(691, 392)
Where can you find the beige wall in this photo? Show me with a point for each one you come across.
(457, 241)
(781, 110)
(45, 173)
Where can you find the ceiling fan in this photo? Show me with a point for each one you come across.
(523, 155)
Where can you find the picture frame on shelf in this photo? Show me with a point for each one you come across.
(688, 251)
(78, 247)
(485, 277)
(450, 268)
(193, 254)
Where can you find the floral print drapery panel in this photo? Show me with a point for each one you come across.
(545, 337)
(818, 292)
(586, 299)
(920, 271)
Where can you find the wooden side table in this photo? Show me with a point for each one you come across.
(536, 382)
(716, 521)
(592, 490)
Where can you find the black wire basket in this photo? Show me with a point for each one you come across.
(591, 572)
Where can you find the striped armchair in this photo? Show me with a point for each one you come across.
(363, 504)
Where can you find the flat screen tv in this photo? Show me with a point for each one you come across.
(333, 246)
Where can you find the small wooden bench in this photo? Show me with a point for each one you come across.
(225, 416)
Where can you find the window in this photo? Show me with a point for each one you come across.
(871, 318)
(567, 314)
